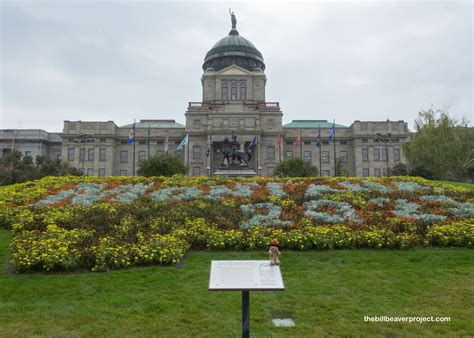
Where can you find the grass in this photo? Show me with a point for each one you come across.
(469, 186)
(327, 293)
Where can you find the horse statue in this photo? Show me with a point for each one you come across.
(231, 153)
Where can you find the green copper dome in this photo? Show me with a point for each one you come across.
(233, 49)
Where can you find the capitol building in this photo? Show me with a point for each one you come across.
(233, 103)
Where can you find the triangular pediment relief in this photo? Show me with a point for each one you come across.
(233, 70)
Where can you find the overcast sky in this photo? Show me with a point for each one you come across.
(120, 60)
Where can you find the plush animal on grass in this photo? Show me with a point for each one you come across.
(274, 253)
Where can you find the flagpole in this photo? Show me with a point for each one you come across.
(301, 145)
(166, 142)
(134, 141)
(335, 155)
(320, 152)
(149, 141)
(187, 146)
(258, 154)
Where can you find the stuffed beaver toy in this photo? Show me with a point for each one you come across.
(274, 252)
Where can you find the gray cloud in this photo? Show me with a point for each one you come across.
(124, 60)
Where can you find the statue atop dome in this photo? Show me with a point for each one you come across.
(233, 19)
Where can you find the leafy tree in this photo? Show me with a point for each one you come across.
(341, 169)
(400, 170)
(16, 168)
(442, 147)
(163, 165)
(295, 167)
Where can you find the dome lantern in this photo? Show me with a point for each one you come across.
(233, 49)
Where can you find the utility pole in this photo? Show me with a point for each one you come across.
(83, 139)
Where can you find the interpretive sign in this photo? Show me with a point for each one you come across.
(245, 275)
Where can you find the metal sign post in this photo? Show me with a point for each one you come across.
(245, 276)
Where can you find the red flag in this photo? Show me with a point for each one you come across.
(298, 141)
(278, 143)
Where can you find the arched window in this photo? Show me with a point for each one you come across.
(233, 90)
(225, 95)
(243, 90)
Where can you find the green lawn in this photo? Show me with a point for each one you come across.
(327, 293)
(458, 184)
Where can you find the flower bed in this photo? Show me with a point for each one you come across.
(70, 223)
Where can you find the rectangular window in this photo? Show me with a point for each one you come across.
(102, 153)
(307, 155)
(344, 156)
(142, 142)
(102, 140)
(365, 172)
(123, 173)
(81, 154)
(81, 170)
(27, 153)
(377, 172)
(70, 154)
(123, 157)
(233, 91)
(325, 156)
(90, 171)
(384, 154)
(270, 171)
(101, 172)
(243, 93)
(58, 156)
(289, 155)
(196, 171)
(365, 154)
(270, 152)
(90, 154)
(342, 142)
(123, 142)
(196, 154)
(224, 94)
(396, 154)
(376, 154)
(141, 156)
(326, 173)
(364, 140)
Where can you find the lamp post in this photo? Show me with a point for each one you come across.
(384, 138)
(83, 139)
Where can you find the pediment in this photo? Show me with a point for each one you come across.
(234, 70)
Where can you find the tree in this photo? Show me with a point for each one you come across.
(16, 168)
(399, 169)
(341, 169)
(442, 147)
(295, 167)
(164, 165)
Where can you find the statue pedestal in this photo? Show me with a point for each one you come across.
(235, 172)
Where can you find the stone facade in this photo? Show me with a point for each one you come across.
(233, 102)
(30, 142)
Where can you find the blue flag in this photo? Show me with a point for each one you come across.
(132, 134)
(318, 139)
(331, 133)
(252, 144)
(183, 142)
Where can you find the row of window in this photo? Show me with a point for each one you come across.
(324, 142)
(378, 172)
(377, 152)
(324, 156)
(234, 93)
(71, 154)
